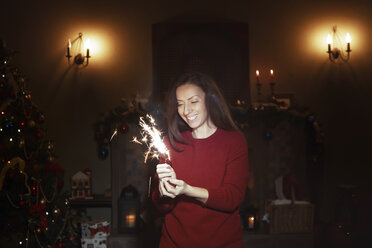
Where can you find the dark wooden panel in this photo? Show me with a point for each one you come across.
(218, 49)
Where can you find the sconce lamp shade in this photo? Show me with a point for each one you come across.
(128, 210)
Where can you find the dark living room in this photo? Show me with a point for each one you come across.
(78, 77)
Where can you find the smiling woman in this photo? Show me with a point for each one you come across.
(192, 109)
(202, 190)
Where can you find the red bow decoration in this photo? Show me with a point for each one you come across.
(37, 210)
(56, 168)
(94, 231)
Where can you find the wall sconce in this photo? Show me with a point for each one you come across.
(335, 51)
(76, 47)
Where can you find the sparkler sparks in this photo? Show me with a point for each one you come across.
(151, 137)
(113, 135)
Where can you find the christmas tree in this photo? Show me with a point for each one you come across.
(34, 210)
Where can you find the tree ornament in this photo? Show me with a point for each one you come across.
(50, 145)
(21, 143)
(41, 118)
(103, 153)
(31, 123)
(268, 135)
(57, 212)
(51, 158)
(123, 128)
(40, 134)
(11, 175)
(38, 210)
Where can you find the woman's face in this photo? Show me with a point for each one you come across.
(191, 106)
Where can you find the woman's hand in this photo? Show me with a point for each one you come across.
(175, 187)
(170, 186)
(165, 172)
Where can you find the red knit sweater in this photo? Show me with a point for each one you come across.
(219, 164)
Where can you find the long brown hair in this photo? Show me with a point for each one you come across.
(217, 109)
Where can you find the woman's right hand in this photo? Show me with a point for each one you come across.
(165, 172)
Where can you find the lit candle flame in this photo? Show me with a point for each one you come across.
(151, 137)
(348, 38)
(329, 39)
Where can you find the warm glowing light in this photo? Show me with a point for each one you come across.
(257, 73)
(131, 220)
(101, 44)
(88, 44)
(251, 222)
(272, 76)
(348, 38)
(313, 37)
(152, 138)
(329, 39)
(69, 43)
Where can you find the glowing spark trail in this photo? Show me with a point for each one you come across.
(151, 137)
(113, 135)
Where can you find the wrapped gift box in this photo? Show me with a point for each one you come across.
(94, 234)
(94, 243)
(95, 229)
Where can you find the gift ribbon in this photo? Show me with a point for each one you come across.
(94, 231)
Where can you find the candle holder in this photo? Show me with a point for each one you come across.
(76, 47)
(250, 218)
(128, 210)
(258, 85)
(272, 86)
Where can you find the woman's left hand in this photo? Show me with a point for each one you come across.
(175, 186)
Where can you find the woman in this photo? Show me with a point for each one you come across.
(203, 188)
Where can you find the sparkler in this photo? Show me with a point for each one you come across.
(152, 138)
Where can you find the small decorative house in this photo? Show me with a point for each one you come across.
(81, 185)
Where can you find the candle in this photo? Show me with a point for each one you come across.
(329, 41)
(258, 76)
(251, 222)
(88, 46)
(272, 75)
(68, 48)
(130, 220)
(348, 41)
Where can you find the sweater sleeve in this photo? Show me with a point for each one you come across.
(228, 196)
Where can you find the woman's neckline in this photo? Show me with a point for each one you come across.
(206, 138)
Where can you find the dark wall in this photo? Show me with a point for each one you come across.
(287, 36)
